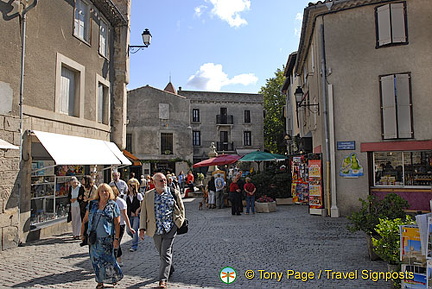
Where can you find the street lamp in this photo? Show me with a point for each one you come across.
(300, 99)
(146, 38)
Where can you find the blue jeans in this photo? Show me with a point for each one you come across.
(250, 203)
(135, 225)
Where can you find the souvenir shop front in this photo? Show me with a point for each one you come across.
(307, 183)
(404, 168)
(55, 159)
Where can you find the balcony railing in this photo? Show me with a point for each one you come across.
(225, 146)
(224, 119)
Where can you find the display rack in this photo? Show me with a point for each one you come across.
(49, 197)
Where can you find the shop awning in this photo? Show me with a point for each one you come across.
(7, 146)
(135, 161)
(73, 150)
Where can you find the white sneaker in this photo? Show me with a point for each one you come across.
(120, 264)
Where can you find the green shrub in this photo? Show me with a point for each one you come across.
(392, 206)
(387, 242)
(273, 183)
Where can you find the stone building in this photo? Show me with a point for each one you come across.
(233, 121)
(366, 63)
(68, 99)
(158, 130)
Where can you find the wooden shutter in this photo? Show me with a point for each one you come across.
(67, 91)
(398, 23)
(383, 22)
(388, 108)
(403, 106)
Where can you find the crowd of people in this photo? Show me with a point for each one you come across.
(151, 206)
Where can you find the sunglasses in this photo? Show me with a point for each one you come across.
(162, 180)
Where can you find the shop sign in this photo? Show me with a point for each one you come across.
(346, 145)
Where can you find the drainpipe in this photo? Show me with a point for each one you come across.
(330, 183)
(23, 18)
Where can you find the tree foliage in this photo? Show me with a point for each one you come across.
(274, 121)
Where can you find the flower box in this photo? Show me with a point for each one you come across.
(265, 207)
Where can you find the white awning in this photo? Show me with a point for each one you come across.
(74, 150)
(7, 146)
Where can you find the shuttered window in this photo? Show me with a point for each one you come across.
(391, 24)
(103, 38)
(67, 91)
(396, 106)
(82, 20)
(196, 138)
(247, 137)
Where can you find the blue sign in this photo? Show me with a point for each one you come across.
(346, 145)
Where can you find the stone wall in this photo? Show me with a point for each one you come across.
(9, 172)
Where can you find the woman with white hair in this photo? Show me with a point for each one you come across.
(75, 196)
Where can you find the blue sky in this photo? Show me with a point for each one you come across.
(213, 45)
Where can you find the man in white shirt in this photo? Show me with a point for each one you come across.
(121, 185)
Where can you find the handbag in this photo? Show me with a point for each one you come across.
(92, 238)
(184, 228)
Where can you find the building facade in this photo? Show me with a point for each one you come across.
(64, 69)
(158, 130)
(366, 64)
(234, 122)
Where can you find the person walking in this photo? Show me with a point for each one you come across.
(103, 217)
(211, 187)
(121, 185)
(162, 212)
(75, 197)
(250, 190)
(88, 195)
(181, 181)
(190, 179)
(133, 201)
(124, 221)
(220, 186)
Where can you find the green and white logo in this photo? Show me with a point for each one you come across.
(228, 275)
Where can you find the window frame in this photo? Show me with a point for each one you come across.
(79, 70)
(387, 36)
(104, 119)
(195, 115)
(196, 138)
(104, 41)
(167, 143)
(247, 116)
(393, 106)
(247, 138)
(84, 33)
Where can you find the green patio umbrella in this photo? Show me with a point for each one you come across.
(280, 157)
(258, 156)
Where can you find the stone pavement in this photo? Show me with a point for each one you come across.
(288, 239)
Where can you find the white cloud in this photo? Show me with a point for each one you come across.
(211, 77)
(228, 10)
(200, 10)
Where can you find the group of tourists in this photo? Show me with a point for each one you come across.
(238, 190)
(100, 216)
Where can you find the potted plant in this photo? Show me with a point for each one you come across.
(392, 206)
(265, 204)
(386, 242)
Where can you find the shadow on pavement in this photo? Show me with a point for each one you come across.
(55, 279)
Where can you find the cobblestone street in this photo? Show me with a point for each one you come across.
(288, 239)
